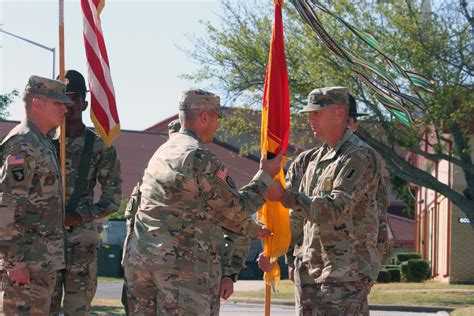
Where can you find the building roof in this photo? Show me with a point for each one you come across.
(402, 228)
(135, 149)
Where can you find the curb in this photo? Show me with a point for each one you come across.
(374, 307)
(250, 300)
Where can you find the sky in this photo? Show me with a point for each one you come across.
(142, 39)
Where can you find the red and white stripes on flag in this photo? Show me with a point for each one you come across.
(103, 107)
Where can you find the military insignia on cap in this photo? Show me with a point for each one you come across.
(18, 175)
(230, 182)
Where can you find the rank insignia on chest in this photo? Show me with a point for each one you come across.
(327, 185)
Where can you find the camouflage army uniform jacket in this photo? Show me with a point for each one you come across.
(187, 197)
(104, 169)
(293, 179)
(31, 204)
(338, 201)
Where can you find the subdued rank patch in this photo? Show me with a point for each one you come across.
(230, 182)
(327, 185)
(350, 173)
(18, 175)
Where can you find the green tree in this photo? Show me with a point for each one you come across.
(5, 100)
(234, 55)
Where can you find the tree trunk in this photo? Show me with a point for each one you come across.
(408, 172)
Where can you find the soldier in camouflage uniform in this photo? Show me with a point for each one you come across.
(234, 251)
(80, 276)
(383, 238)
(305, 286)
(337, 199)
(187, 197)
(32, 210)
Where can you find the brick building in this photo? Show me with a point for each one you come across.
(443, 233)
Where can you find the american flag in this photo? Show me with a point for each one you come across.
(103, 107)
(222, 173)
(13, 160)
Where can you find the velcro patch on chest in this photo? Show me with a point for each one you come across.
(327, 185)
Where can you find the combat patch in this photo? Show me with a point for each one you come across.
(230, 182)
(18, 175)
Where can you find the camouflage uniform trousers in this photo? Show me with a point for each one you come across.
(345, 298)
(31, 299)
(154, 289)
(79, 280)
(214, 288)
(305, 290)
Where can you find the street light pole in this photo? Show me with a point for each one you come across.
(51, 49)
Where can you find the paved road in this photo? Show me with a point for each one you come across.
(109, 290)
(113, 290)
(256, 309)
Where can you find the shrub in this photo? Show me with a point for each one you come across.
(405, 256)
(384, 276)
(390, 266)
(395, 274)
(416, 270)
(404, 269)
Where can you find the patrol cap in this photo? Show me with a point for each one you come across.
(75, 82)
(353, 108)
(323, 97)
(200, 99)
(52, 89)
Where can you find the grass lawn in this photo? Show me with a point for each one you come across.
(414, 294)
(107, 307)
(468, 311)
(109, 279)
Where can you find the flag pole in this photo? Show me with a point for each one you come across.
(268, 299)
(62, 139)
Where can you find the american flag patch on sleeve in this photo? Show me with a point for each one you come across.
(222, 173)
(14, 160)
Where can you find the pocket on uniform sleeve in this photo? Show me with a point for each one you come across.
(7, 216)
